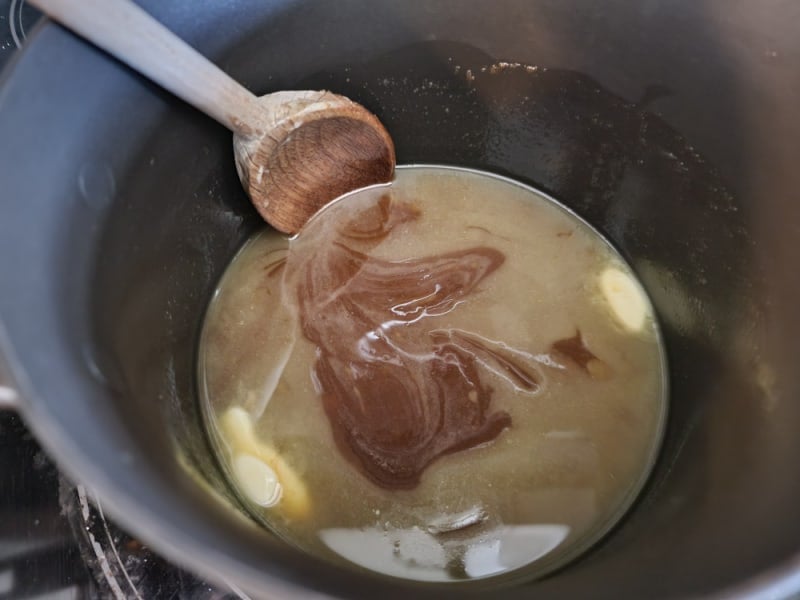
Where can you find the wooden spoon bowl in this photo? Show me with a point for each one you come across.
(318, 146)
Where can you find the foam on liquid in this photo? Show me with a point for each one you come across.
(497, 422)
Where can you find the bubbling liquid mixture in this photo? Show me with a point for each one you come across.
(447, 378)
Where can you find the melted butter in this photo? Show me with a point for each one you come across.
(441, 368)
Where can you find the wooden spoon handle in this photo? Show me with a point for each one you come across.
(124, 30)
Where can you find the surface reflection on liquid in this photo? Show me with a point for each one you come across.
(417, 554)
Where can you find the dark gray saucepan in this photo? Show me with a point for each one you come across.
(672, 126)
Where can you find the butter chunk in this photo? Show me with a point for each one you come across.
(293, 499)
(257, 480)
(625, 298)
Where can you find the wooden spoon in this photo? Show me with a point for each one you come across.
(295, 151)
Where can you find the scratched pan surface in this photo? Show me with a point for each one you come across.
(670, 126)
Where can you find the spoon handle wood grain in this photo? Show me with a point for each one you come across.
(127, 32)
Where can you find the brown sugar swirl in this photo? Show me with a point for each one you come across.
(397, 393)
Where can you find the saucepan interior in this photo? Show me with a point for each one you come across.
(670, 127)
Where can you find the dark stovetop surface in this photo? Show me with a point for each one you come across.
(55, 542)
(38, 554)
(16, 19)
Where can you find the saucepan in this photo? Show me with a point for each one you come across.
(671, 127)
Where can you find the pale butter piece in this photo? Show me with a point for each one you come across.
(257, 480)
(237, 429)
(625, 298)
